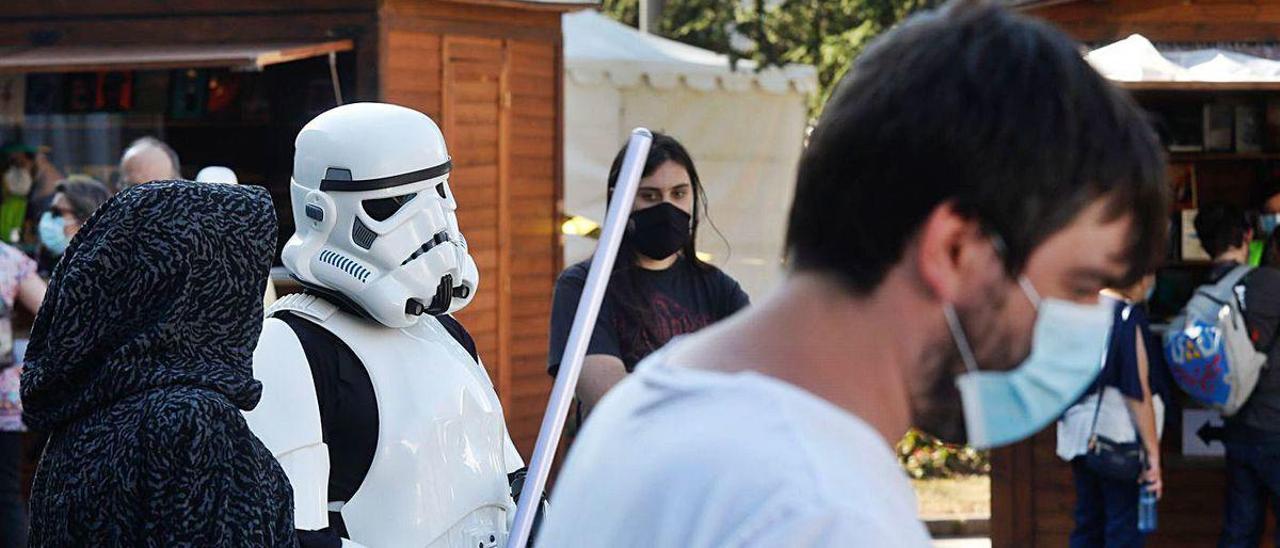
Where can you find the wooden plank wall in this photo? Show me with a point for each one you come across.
(535, 242)
(1033, 497)
(1166, 20)
(491, 77)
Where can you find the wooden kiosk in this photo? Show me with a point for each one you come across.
(1032, 494)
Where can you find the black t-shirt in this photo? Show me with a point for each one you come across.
(1259, 419)
(681, 299)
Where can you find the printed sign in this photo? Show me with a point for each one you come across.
(1202, 433)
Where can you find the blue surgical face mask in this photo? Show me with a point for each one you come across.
(1068, 346)
(1267, 223)
(53, 233)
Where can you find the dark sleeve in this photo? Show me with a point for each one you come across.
(604, 338)
(1262, 306)
(732, 297)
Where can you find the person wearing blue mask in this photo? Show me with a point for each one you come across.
(959, 206)
(74, 201)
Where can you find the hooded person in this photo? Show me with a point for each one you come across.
(139, 365)
(221, 174)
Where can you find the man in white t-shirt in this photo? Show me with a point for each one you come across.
(971, 186)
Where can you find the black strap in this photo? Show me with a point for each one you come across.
(459, 334)
(1111, 346)
(345, 185)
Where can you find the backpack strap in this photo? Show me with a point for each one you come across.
(1226, 284)
(1111, 347)
(1234, 277)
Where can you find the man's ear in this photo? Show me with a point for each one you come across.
(949, 249)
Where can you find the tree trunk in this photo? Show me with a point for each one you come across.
(651, 16)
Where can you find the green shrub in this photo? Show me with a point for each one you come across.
(924, 456)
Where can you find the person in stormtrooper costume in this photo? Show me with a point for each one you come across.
(374, 401)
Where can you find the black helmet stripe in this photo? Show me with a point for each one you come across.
(341, 185)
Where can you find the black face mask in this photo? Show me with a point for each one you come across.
(660, 231)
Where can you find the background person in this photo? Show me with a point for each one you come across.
(74, 201)
(1252, 435)
(148, 159)
(1134, 390)
(19, 284)
(659, 288)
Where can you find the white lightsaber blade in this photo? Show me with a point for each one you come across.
(584, 321)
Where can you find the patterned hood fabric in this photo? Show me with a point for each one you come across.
(139, 365)
(161, 287)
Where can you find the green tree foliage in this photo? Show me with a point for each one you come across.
(827, 34)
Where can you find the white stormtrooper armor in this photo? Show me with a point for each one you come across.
(379, 250)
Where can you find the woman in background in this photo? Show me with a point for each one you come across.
(659, 288)
(74, 201)
(19, 284)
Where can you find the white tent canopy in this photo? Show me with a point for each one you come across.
(744, 129)
(1136, 59)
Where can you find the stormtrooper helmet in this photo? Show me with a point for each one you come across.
(376, 222)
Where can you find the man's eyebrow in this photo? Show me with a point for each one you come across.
(1108, 277)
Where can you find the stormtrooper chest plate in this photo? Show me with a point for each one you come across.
(438, 476)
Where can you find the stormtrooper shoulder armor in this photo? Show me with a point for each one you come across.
(287, 418)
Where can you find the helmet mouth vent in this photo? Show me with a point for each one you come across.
(440, 238)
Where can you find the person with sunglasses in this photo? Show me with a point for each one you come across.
(74, 201)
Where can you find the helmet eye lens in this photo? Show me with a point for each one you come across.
(382, 209)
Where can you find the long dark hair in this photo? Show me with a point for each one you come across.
(665, 148)
(627, 289)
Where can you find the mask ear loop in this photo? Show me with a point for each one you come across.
(1030, 291)
(962, 342)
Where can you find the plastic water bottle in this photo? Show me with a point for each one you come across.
(1146, 509)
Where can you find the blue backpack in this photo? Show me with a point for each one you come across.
(1208, 347)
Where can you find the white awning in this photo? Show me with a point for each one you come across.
(1137, 63)
(599, 50)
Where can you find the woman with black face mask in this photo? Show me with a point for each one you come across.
(659, 288)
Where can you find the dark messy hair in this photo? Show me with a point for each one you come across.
(1221, 227)
(991, 112)
(626, 289)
